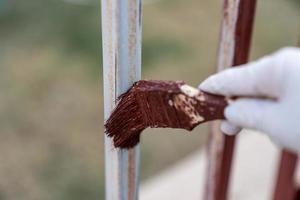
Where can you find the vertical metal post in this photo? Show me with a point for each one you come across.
(285, 185)
(235, 39)
(121, 35)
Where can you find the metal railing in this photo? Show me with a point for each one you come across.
(121, 27)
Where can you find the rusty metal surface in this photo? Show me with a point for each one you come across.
(285, 187)
(121, 37)
(235, 40)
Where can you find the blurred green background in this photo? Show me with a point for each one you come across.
(51, 123)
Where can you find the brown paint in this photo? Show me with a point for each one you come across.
(298, 194)
(132, 174)
(224, 173)
(161, 104)
(285, 186)
(219, 167)
(243, 31)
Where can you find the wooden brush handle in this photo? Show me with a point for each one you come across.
(196, 108)
(211, 106)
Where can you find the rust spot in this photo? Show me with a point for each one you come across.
(234, 48)
(133, 28)
(108, 44)
(132, 174)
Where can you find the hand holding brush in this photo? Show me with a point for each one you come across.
(273, 83)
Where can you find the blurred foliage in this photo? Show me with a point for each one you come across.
(72, 25)
(64, 182)
(160, 48)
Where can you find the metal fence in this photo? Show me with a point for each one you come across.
(121, 26)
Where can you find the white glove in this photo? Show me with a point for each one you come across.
(273, 83)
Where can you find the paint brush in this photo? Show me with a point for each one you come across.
(161, 104)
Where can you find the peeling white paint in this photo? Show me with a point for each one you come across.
(186, 105)
(201, 98)
(188, 90)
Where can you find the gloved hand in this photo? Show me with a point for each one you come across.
(273, 83)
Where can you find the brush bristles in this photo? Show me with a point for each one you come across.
(160, 104)
(125, 131)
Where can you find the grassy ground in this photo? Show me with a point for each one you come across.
(51, 139)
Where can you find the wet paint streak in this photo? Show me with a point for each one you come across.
(235, 38)
(132, 38)
(133, 176)
(121, 35)
(286, 187)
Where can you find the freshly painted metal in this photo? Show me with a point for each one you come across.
(235, 39)
(285, 187)
(121, 37)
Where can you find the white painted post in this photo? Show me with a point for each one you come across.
(121, 33)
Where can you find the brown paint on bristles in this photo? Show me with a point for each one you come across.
(160, 104)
